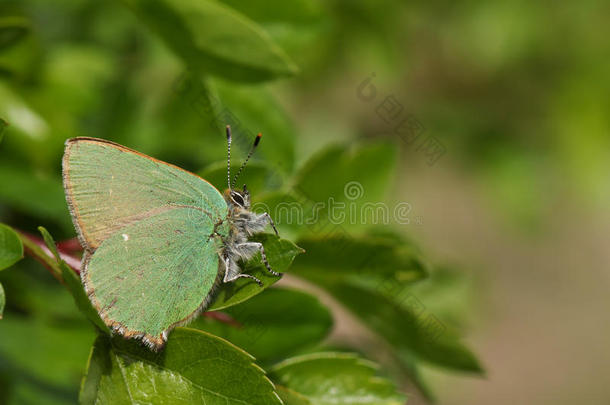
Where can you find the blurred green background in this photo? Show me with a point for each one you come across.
(515, 93)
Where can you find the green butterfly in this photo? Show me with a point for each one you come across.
(157, 239)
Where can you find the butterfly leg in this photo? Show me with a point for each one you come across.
(268, 218)
(259, 246)
(233, 272)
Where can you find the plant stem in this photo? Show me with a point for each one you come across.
(69, 246)
(222, 317)
(35, 249)
(64, 248)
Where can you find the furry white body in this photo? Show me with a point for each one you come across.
(243, 224)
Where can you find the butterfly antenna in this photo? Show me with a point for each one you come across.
(256, 141)
(229, 156)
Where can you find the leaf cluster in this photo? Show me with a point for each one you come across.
(164, 77)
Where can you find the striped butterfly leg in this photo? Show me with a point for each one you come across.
(233, 272)
(259, 246)
(268, 218)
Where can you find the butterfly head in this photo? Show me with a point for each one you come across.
(238, 198)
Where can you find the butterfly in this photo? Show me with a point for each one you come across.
(158, 240)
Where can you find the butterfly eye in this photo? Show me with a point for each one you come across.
(237, 199)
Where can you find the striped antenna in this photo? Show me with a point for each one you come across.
(256, 141)
(229, 156)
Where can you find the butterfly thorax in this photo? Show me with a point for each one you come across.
(243, 223)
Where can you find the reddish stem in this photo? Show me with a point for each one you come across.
(69, 246)
(72, 261)
(222, 317)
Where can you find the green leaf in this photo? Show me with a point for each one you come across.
(274, 324)
(2, 300)
(50, 242)
(341, 188)
(379, 260)
(186, 108)
(406, 325)
(280, 254)
(74, 285)
(299, 26)
(336, 378)
(250, 110)
(355, 175)
(448, 294)
(213, 38)
(11, 248)
(277, 11)
(194, 367)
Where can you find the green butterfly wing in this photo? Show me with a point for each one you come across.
(109, 186)
(154, 274)
(150, 261)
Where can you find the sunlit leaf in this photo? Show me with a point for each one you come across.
(194, 367)
(336, 379)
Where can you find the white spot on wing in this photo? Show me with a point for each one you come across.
(125, 237)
